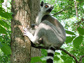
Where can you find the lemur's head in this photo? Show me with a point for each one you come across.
(46, 8)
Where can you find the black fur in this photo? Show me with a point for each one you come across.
(50, 54)
(49, 61)
(52, 48)
(50, 9)
(44, 17)
(42, 4)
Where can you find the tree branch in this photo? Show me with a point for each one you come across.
(80, 60)
(62, 10)
(59, 11)
(69, 54)
(75, 3)
(66, 7)
(42, 47)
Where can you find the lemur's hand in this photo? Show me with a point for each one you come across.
(26, 32)
(34, 26)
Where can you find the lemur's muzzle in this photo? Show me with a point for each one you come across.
(50, 9)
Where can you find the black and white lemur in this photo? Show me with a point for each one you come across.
(49, 29)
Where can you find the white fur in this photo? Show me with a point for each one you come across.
(31, 37)
(49, 57)
(50, 51)
(38, 18)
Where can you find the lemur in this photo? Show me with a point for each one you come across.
(49, 29)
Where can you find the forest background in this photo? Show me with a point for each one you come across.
(70, 13)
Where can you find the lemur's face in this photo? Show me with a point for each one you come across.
(46, 8)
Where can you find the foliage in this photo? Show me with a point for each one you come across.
(5, 31)
(65, 12)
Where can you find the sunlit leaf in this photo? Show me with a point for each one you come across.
(77, 41)
(70, 32)
(2, 30)
(57, 53)
(6, 49)
(3, 23)
(80, 30)
(5, 14)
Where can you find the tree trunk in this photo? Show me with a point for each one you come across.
(24, 13)
(34, 11)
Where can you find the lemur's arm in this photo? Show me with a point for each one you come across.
(34, 38)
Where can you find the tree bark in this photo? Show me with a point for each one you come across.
(24, 13)
(34, 7)
(34, 11)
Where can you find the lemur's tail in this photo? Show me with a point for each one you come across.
(50, 55)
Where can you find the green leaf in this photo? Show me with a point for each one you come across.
(69, 39)
(56, 58)
(6, 49)
(80, 30)
(0, 45)
(64, 57)
(70, 32)
(5, 14)
(57, 53)
(1, 38)
(44, 52)
(2, 30)
(68, 60)
(1, 1)
(64, 53)
(3, 23)
(77, 41)
(36, 59)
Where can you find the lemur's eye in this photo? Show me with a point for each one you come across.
(46, 6)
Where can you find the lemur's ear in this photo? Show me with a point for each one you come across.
(42, 3)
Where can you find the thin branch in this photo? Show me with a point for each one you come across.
(59, 11)
(62, 10)
(75, 3)
(69, 54)
(42, 47)
(80, 60)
